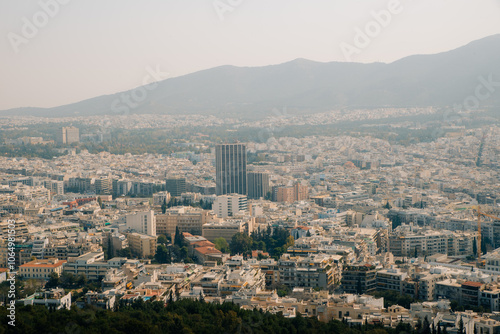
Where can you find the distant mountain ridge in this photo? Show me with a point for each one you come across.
(305, 86)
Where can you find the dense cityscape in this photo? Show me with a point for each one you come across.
(355, 229)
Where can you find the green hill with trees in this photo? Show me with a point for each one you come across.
(184, 316)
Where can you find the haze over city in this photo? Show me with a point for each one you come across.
(92, 48)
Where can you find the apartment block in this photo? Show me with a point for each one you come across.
(359, 279)
(142, 222)
(142, 245)
(187, 219)
(230, 205)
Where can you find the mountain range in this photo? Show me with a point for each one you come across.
(302, 86)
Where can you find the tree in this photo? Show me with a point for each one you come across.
(67, 280)
(268, 196)
(177, 293)
(81, 280)
(222, 245)
(162, 239)
(240, 244)
(164, 206)
(170, 296)
(474, 247)
(260, 256)
(109, 250)
(290, 241)
(426, 326)
(202, 299)
(54, 281)
(418, 327)
(125, 252)
(99, 200)
(183, 253)
(461, 326)
(178, 237)
(162, 254)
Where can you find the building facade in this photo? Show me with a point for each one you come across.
(231, 169)
(258, 185)
(229, 205)
(175, 186)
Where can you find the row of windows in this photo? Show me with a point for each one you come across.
(39, 275)
(36, 270)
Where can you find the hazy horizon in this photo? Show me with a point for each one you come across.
(90, 49)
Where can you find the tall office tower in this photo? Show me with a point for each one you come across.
(69, 135)
(175, 186)
(258, 185)
(231, 169)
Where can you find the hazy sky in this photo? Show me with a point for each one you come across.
(88, 48)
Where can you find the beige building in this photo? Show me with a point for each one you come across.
(41, 269)
(69, 135)
(226, 230)
(187, 219)
(141, 244)
(297, 192)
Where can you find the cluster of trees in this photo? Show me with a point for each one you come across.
(66, 280)
(184, 316)
(222, 245)
(275, 242)
(177, 202)
(179, 248)
(29, 151)
(393, 298)
(22, 289)
(163, 254)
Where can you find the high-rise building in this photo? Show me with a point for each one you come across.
(258, 185)
(69, 135)
(175, 186)
(231, 169)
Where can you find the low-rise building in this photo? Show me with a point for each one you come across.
(41, 269)
(55, 299)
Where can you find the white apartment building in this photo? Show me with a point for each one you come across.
(229, 205)
(161, 197)
(142, 222)
(493, 260)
